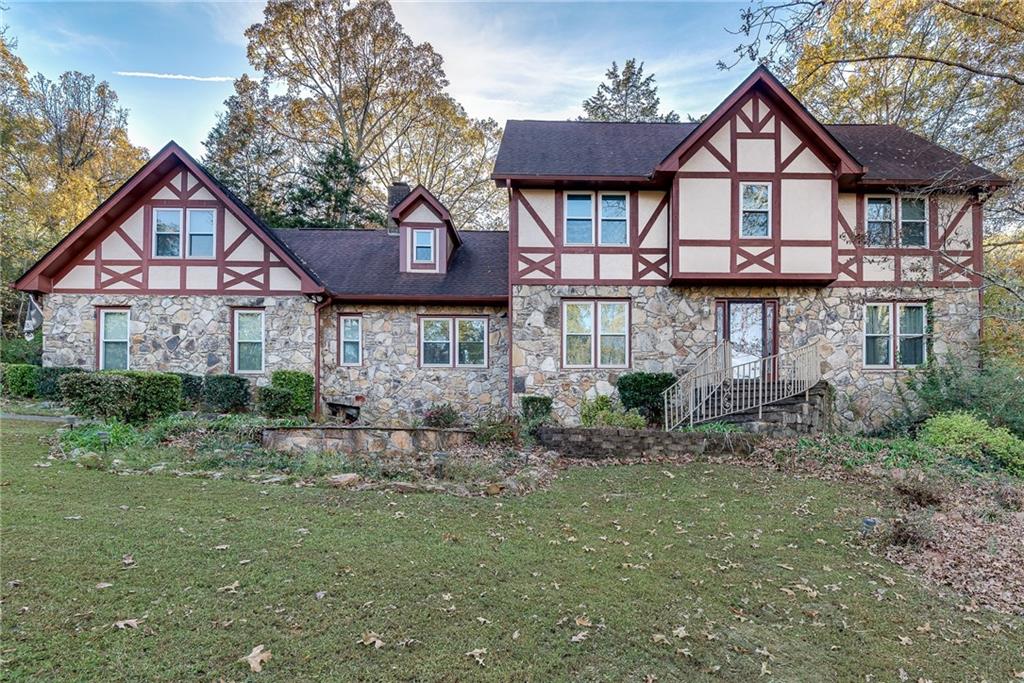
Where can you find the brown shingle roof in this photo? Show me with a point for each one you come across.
(365, 264)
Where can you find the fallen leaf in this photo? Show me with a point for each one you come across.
(668, 474)
(102, 584)
(230, 588)
(483, 620)
(680, 632)
(221, 547)
(74, 517)
(320, 595)
(580, 637)
(126, 624)
(926, 627)
(257, 658)
(127, 561)
(478, 655)
(515, 635)
(905, 640)
(583, 621)
(371, 638)
(660, 638)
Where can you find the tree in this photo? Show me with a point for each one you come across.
(324, 194)
(626, 96)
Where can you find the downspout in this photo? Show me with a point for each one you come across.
(508, 308)
(317, 406)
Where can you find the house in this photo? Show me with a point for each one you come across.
(631, 246)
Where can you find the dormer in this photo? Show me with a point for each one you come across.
(427, 237)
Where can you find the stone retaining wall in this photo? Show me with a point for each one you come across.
(397, 441)
(579, 442)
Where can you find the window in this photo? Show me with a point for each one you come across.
(755, 209)
(167, 229)
(880, 219)
(423, 246)
(613, 222)
(895, 341)
(201, 224)
(467, 335)
(913, 225)
(350, 328)
(114, 329)
(579, 218)
(248, 341)
(595, 334)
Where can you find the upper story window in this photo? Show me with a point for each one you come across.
(459, 342)
(894, 335)
(350, 332)
(579, 218)
(880, 220)
(612, 220)
(248, 336)
(595, 334)
(423, 246)
(201, 226)
(167, 232)
(114, 330)
(913, 222)
(755, 209)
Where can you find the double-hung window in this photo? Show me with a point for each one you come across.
(423, 246)
(880, 221)
(895, 335)
(755, 209)
(350, 341)
(453, 342)
(200, 226)
(579, 218)
(595, 334)
(167, 233)
(114, 331)
(913, 224)
(248, 336)
(612, 219)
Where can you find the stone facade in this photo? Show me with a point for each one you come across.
(670, 325)
(421, 442)
(179, 333)
(395, 388)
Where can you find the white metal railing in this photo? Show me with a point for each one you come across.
(717, 387)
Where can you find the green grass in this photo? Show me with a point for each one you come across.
(748, 561)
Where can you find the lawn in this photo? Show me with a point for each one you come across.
(631, 573)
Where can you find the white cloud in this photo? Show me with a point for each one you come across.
(176, 77)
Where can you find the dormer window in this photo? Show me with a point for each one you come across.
(423, 246)
(579, 218)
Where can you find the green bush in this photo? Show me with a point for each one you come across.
(20, 380)
(300, 385)
(967, 436)
(126, 395)
(641, 391)
(442, 416)
(996, 391)
(22, 351)
(191, 389)
(274, 401)
(226, 393)
(46, 382)
(603, 411)
(156, 394)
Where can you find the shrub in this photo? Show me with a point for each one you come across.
(299, 385)
(497, 429)
(226, 393)
(966, 436)
(191, 389)
(441, 415)
(46, 381)
(22, 351)
(996, 391)
(535, 408)
(641, 391)
(603, 411)
(20, 380)
(155, 394)
(98, 394)
(274, 401)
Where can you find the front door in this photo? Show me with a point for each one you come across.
(750, 324)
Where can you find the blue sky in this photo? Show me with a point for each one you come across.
(504, 60)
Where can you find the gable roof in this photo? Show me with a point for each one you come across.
(363, 265)
(421, 195)
(142, 183)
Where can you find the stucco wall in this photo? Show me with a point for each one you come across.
(669, 326)
(178, 333)
(395, 388)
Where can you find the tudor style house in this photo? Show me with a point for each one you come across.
(758, 246)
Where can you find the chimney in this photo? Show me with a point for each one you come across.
(397, 191)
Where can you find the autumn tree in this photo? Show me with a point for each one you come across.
(626, 95)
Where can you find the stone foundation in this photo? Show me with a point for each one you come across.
(419, 443)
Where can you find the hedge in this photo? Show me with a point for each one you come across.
(126, 395)
(19, 380)
(299, 385)
(641, 391)
(274, 401)
(226, 393)
(191, 389)
(46, 381)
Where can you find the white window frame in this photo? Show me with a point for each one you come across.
(181, 231)
(235, 340)
(596, 332)
(894, 221)
(600, 219)
(767, 184)
(341, 340)
(898, 333)
(900, 236)
(127, 340)
(455, 334)
(451, 342)
(433, 244)
(565, 218)
(188, 233)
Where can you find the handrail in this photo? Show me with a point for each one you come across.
(717, 387)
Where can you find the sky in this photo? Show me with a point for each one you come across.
(172, 63)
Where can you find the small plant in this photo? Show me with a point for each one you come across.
(497, 429)
(714, 428)
(641, 391)
(87, 437)
(299, 385)
(603, 411)
(963, 435)
(274, 401)
(191, 390)
(20, 380)
(912, 531)
(91, 461)
(441, 416)
(226, 393)
(1010, 497)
